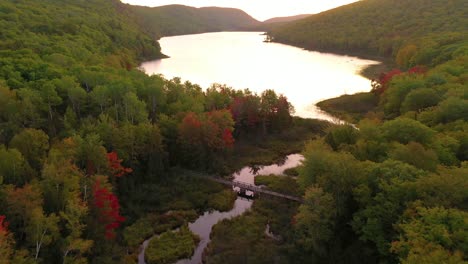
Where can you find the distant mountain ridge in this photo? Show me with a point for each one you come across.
(286, 19)
(173, 20)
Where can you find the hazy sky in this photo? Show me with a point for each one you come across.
(259, 9)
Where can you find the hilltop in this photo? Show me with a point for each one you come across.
(374, 27)
(173, 20)
(66, 33)
(286, 19)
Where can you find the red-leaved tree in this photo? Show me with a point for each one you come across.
(417, 70)
(107, 205)
(379, 86)
(245, 111)
(228, 138)
(115, 165)
(3, 226)
(6, 241)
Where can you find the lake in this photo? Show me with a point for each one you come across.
(242, 60)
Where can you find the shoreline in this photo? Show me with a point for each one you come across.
(369, 71)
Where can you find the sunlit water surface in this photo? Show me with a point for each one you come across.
(242, 60)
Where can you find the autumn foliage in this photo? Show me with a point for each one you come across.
(6, 241)
(203, 137)
(417, 70)
(115, 165)
(3, 226)
(212, 130)
(245, 111)
(108, 209)
(379, 86)
(228, 139)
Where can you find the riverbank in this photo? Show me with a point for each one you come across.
(170, 204)
(243, 239)
(369, 72)
(180, 198)
(272, 148)
(351, 108)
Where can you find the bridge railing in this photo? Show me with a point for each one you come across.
(243, 185)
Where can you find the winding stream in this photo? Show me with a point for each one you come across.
(243, 60)
(204, 224)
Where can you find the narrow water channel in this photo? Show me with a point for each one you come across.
(204, 224)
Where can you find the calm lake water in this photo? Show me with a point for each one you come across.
(242, 60)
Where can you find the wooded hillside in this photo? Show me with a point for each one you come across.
(87, 141)
(179, 20)
(375, 27)
(286, 19)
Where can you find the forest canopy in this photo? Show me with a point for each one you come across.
(87, 140)
(82, 130)
(173, 20)
(395, 188)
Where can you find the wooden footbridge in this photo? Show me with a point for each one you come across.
(248, 187)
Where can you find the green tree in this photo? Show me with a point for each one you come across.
(13, 167)
(371, 144)
(33, 144)
(405, 56)
(74, 246)
(100, 96)
(78, 98)
(419, 99)
(24, 208)
(415, 154)
(218, 97)
(91, 155)
(395, 95)
(268, 103)
(315, 222)
(341, 135)
(452, 109)
(446, 188)
(49, 95)
(382, 197)
(41, 230)
(8, 112)
(154, 96)
(433, 235)
(134, 109)
(30, 108)
(335, 173)
(405, 130)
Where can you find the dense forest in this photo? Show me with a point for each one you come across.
(395, 189)
(179, 20)
(379, 27)
(93, 152)
(392, 191)
(86, 139)
(171, 20)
